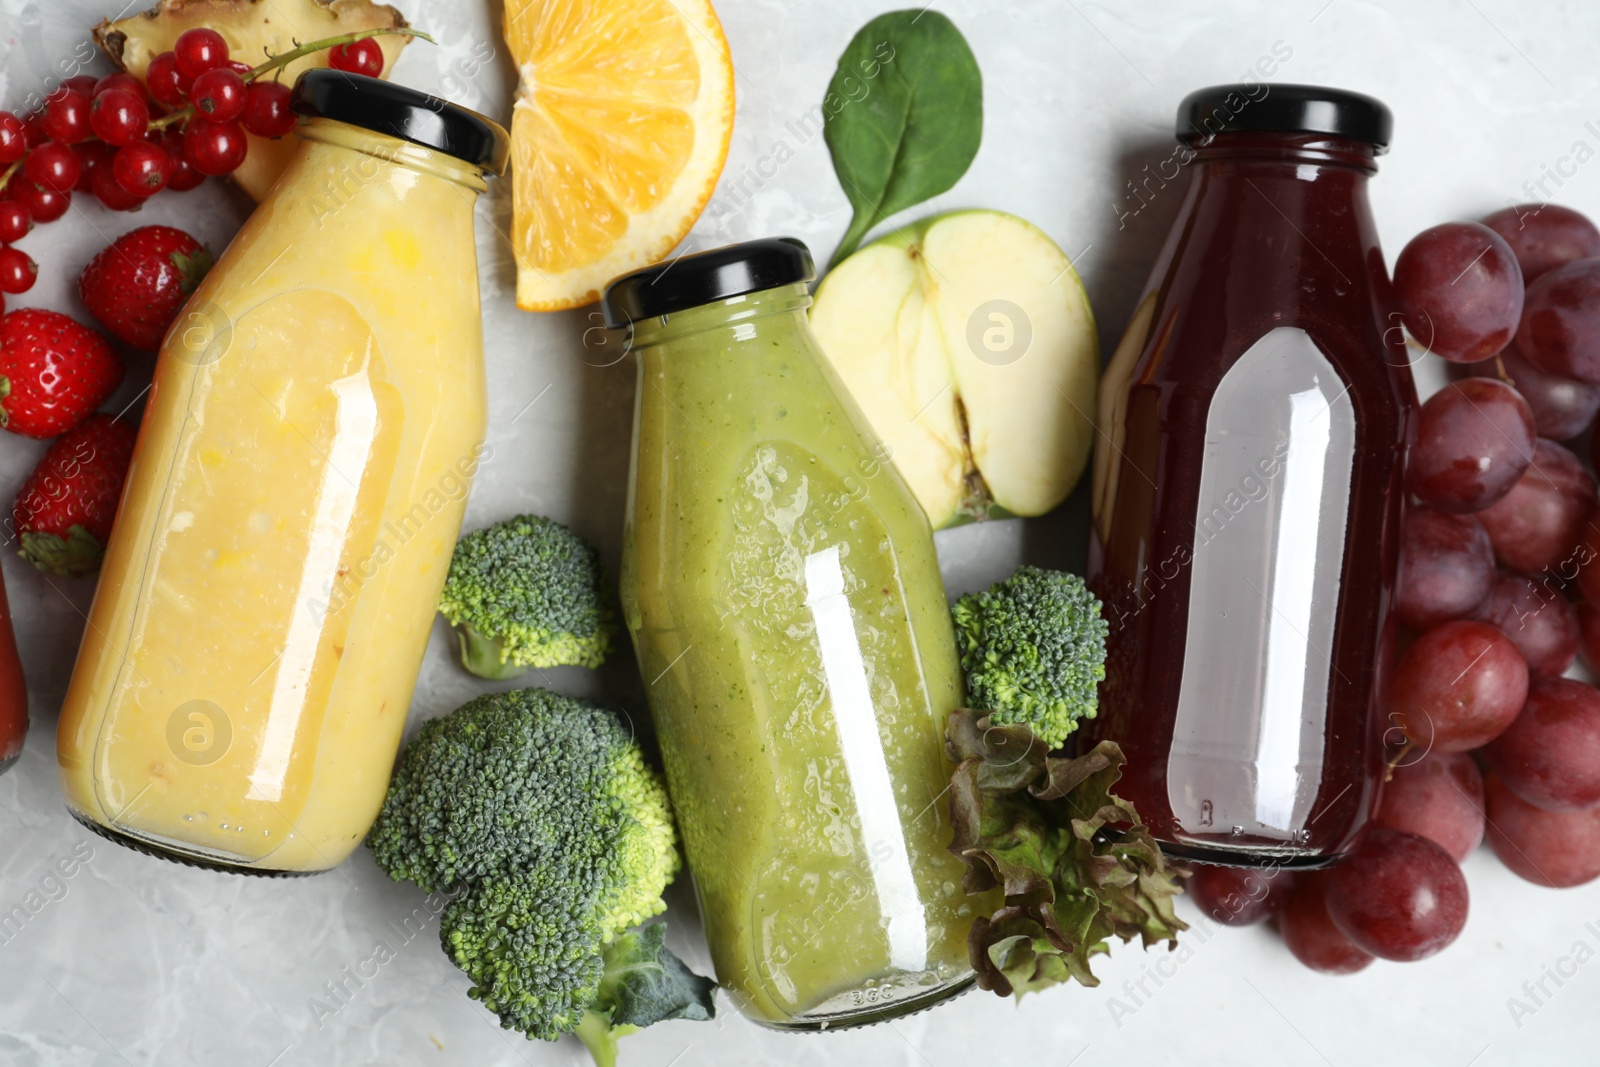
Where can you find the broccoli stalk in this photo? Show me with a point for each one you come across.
(542, 810)
(487, 657)
(527, 592)
(643, 983)
(1034, 649)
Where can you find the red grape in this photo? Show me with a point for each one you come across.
(199, 50)
(1474, 439)
(1236, 896)
(1562, 408)
(142, 169)
(13, 139)
(1459, 290)
(17, 271)
(15, 221)
(53, 166)
(66, 116)
(218, 95)
(1537, 618)
(1588, 559)
(1439, 797)
(266, 110)
(46, 205)
(119, 117)
(1537, 525)
(1457, 687)
(165, 83)
(1544, 236)
(1589, 635)
(107, 190)
(1559, 849)
(1400, 897)
(1550, 755)
(1446, 567)
(1560, 330)
(214, 148)
(359, 57)
(1310, 934)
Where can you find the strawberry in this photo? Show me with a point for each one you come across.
(137, 285)
(64, 509)
(53, 372)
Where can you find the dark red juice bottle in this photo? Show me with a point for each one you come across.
(1249, 487)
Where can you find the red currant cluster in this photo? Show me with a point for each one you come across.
(124, 141)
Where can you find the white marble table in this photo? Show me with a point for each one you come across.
(134, 961)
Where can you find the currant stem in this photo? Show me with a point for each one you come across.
(277, 62)
(187, 112)
(11, 171)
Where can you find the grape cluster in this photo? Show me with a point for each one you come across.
(1499, 592)
(123, 141)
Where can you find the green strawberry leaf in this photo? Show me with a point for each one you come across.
(191, 268)
(74, 556)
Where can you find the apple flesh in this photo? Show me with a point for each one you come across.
(968, 343)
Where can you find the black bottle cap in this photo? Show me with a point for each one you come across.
(689, 281)
(387, 108)
(1265, 108)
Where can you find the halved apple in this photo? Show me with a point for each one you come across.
(968, 342)
(254, 30)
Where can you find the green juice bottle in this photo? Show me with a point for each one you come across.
(780, 585)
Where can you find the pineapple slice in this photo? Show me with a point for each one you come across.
(254, 30)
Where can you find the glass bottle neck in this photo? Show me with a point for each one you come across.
(391, 150)
(1229, 152)
(745, 315)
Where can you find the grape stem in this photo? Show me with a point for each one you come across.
(276, 63)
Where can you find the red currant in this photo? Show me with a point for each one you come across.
(120, 80)
(81, 83)
(54, 166)
(214, 148)
(239, 68)
(199, 50)
(15, 221)
(165, 83)
(142, 169)
(66, 116)
(17, 271)
(361, 57)
(13, 139)
(33, 129)
(112, 195)
(184, 177)
(266, 110)
(119, 117)
(218, 95)
(45, 205)
(92, 155)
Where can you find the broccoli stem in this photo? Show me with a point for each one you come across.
(596, 1032)
(481, 656)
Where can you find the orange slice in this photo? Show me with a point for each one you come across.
(621, 126)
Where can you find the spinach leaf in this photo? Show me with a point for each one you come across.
(903, 116)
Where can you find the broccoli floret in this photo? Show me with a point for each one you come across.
(1034, 651)
(527, 592)
(510, 780)
(541, 812)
